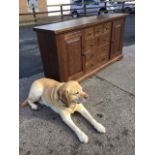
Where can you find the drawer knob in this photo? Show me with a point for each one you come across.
(92, 55)
(103, 59)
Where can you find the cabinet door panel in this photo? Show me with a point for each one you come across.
(73, 51)
(117, 38)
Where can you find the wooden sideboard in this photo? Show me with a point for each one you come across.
(77, 49)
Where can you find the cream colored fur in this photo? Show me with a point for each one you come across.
(63, 98)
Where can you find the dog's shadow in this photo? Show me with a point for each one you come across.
(47, 114)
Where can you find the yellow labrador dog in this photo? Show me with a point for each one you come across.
(63, 98)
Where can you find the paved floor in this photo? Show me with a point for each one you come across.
(111, 102)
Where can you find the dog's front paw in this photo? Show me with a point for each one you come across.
(83, 137)
(100, 128)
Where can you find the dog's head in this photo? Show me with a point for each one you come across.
(71, 92)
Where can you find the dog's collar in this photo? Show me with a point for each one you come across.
(59, 96)
(58, 93)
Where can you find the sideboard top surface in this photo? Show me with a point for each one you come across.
(64, 26)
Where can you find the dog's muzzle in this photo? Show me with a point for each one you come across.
(81, 100)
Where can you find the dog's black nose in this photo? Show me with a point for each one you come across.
(86, 96)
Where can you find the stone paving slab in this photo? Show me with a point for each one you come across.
(122, 73)
(43, 133)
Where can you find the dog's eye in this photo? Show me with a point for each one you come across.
(76, 93)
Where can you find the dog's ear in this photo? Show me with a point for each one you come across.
(77, 82)
(63, 94)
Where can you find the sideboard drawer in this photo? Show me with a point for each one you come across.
(105, 39)
(104, 49)
(102, 58)
(89, 33)
(107, 27)
(89, 56)
(99, 30)
(89, 46)
(89, 65)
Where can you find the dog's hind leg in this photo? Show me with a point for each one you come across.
(32, 105)
(34, 96)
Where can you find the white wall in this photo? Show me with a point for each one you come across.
(53, 2)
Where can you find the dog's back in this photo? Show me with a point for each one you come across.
(37, 89)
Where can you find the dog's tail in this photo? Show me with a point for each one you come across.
(24, 103)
